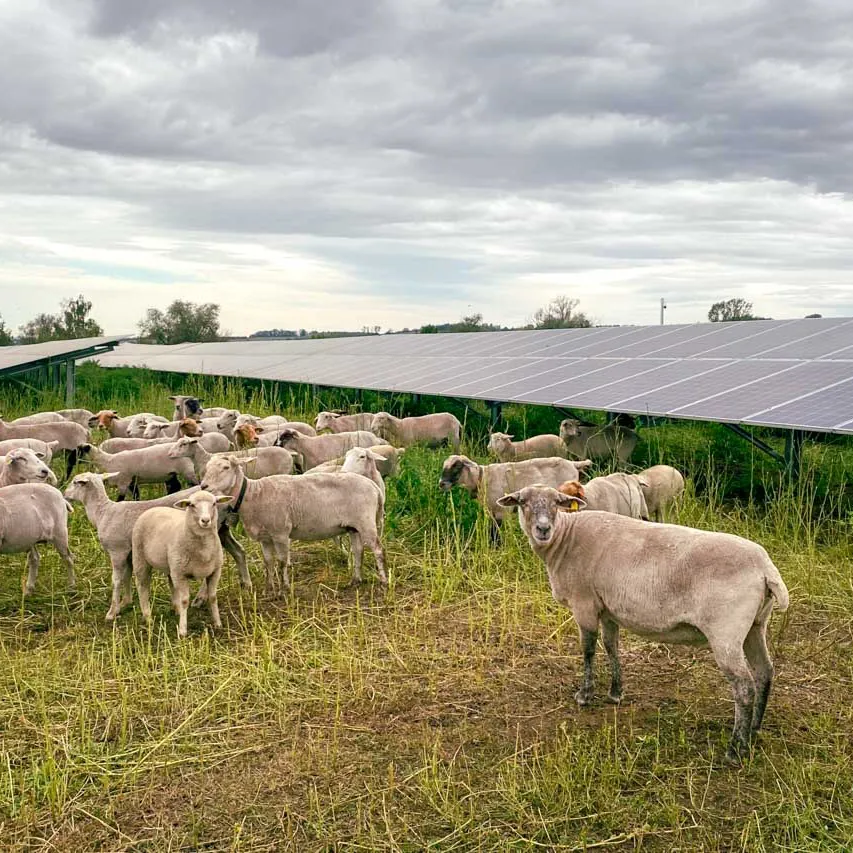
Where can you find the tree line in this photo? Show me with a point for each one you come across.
(185, 321)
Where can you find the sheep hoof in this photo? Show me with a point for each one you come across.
(614, 698)
(199, 600)
(110, 617)
(583, 698)
(733, 757)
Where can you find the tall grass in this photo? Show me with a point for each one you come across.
(436, 715)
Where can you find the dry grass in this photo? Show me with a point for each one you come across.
(436, 716)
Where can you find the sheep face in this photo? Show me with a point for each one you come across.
(538, 508)
(246, 435)
(183, 447)
(382, 425)
(325, 420)
(186, 407)
(222, 476)
(201, 508)
(287, 436)
(154, 430)
(457, 470)
(189, 427)
(103, 419)
(569, 428)
(228, 420)
(27, 466)
(499, 441)
(84, 483)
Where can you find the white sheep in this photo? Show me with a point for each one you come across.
(23, 465)
(78, 416)
(337, 422)
(113, 522)
(184, 545)
(613, 441)
(314, 450)
(212, 442)
(110, 421)
(138, 423)
(619, 493)
(71, 437)
(276, 509)
(144, 465)
(432, 430)
(386, 459)
(30, 514)
(266, 460)
(46, 447)
(661, 485)
(501, 444)
(37, 418)
(173, 430)
(668, 583)
(487, 483)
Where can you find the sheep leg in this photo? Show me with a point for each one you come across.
(212, 601)
(142, 579)
(33, 560)
(282, 549)
(134, 488)
(733, 664)
(61, 545)
(235, 549)
(70, 462)
(121, 579)
(755, 648)
(173, 484)
(376, 546)
(181, 603)
(587, 689)
(610, 635)
(357, 548)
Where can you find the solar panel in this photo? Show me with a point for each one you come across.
(792, 373)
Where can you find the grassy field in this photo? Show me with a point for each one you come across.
(437, 715)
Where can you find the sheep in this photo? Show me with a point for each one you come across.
(114, 522)
(77, 416)
(213, 442)
(487, 483)
(38, 418)
(661, 485)
(46, 447)
(184, 545)
(363, 461)
(276, 509)
(23, 465)
(267, 460)
(110, 421)
(71, 437)
(619, 493)
(32, 513)
(669, 583)
(187, 426)
(322, 448)
(386, 460)
(186, 407)
(433, 430)
(274, 423)
(138, 423)
(598, 442)
(144, 465)
(535, 447)
(231, 419)
(337, 422)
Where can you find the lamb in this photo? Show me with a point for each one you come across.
(337, 422)
(32, 513)
(114, 522)
(669, 583)
(71, 437)
(386, 459)
(535, 447)
(433, 430)
(598, 442)
(138, 423)
(45, 447)
(321, 448)
(78, 416)
(144, 465)
(661, 485)
(619, 493)
(184, 545)
(487, 483)
(23, 465)
(267, 460)
(276, 509)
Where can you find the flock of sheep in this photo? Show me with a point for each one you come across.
(608, 563)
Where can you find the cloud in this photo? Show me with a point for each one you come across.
(395, 161)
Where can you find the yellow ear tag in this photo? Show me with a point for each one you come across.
(9, 460)
(574, 506)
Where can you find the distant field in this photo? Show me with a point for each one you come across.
(438, 715)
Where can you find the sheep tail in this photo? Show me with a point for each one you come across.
(777, 589)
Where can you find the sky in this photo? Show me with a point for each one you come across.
(400, 162)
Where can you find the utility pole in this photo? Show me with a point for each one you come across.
(662, 309)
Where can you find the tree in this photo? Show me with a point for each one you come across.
(182, 322)
(72, 321)
(6, 338)
(561, 313)
(731, 310)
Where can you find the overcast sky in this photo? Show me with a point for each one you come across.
(393, 162)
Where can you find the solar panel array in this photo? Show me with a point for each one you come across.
(788, 373)
(16, 358)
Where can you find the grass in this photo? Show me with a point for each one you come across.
(436, 716)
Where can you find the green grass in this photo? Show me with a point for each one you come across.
(437, 715)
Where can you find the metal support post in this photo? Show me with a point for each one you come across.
(794, 451)
(70, 382)
(495, 413)
(756, 442)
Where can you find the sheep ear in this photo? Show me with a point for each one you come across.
(570, 502)
(244, 462)
(39, 454)
(513, 499)
(183, 503)
(10, 459)
(110, 475)
(173, 397)
(224, 499)
(259, 429)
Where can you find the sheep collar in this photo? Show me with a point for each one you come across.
(238, 500)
